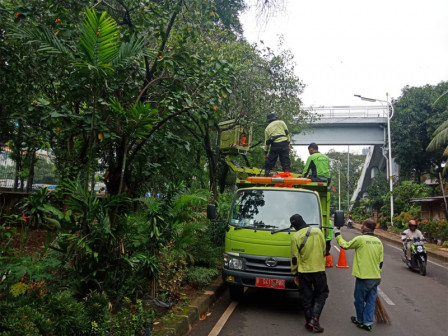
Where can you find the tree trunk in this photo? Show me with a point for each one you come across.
(30, 180)
(212, 166)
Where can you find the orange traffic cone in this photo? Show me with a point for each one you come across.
(342, 262)
(329, 261)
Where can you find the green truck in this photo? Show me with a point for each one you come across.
(257, 242)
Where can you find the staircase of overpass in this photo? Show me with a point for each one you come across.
(351, 125)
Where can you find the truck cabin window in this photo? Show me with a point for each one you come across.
(271, 209)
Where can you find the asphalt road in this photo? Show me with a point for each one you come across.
(417, 305)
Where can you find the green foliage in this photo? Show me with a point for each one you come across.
(25, 320)
(362, 211)
(133, 93)
(92, 240)
(434, 230)
(31, 268)
(7, 234)
(44, 173)
(377, 190)
(406, 191)
(67, 314)
(96, 305)
(132, 319)
(401, 221)
(199, 277)
(416, 119)
(33, 207)
(440, 138)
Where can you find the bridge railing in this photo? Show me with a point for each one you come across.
(374, 111)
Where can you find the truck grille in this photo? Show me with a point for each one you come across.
(257, 264)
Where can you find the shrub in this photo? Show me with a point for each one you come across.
(96, 307)
(133, 319)
(25, 320)
(66, 313)
(401, 221)
(199, 277)
(33, 207)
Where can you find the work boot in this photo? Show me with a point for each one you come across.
(365, 327)
(354, 320)
(308, 327)
(308, 318)
(314, 323)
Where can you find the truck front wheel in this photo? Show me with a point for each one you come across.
(236, 292)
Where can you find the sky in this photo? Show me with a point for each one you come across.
(348, 47)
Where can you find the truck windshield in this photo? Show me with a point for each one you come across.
(271, 209)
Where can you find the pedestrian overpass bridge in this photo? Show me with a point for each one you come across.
(351, 125)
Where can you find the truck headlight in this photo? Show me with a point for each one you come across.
(233, 262)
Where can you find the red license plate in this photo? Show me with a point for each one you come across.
(270, 283)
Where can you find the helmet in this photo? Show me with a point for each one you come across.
(271, 117)
(412, 224)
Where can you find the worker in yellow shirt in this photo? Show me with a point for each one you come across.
(367, 266)
(308, 267)
(277, 144)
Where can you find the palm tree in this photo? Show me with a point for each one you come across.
(441, 133)
(97, 56)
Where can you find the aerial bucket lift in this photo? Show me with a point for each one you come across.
(236, 140)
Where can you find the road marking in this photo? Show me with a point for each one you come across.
(385, 297)
(222, 321)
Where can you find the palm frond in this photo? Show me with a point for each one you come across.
(440, 137)
(99, 40)
(442, 100)
(133, 48)
(47, 40)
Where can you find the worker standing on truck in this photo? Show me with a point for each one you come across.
(308, 267)
(277, 144)
(317, 166)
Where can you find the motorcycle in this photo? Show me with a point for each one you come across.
(419, 257)
(349, 223)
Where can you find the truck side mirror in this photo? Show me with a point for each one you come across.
(211, 211)
(338, 218)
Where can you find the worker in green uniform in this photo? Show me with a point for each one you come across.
(317, 166)
(367, 266)
(308, 267)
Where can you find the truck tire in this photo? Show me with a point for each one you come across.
(236, 292)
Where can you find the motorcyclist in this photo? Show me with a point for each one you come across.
(350, 221)
(409, 235)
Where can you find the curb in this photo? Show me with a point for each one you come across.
(182, 323)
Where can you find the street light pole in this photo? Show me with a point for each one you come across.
(348, 180)
(390, 113)
(339, 185)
